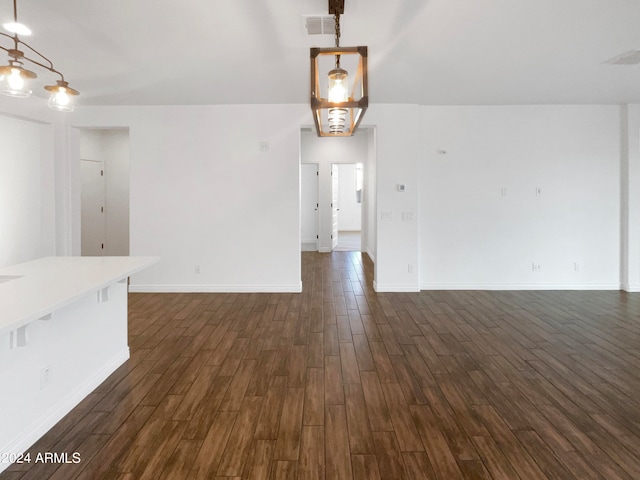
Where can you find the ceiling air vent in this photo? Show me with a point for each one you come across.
(319, 25)
(632, 57)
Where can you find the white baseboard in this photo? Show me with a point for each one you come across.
(292, 288)
(631, 288)
(308, 247)
(370, 253)
(517, 286)
(395, 287)
(46, 421)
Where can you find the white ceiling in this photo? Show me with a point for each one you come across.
(453, 52)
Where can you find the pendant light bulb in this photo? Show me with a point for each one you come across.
(15, 80)
(61, 98)
(13, 83)
(338, 85)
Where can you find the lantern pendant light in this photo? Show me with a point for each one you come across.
(340, 112)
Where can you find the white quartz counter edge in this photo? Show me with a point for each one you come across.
(50, 283)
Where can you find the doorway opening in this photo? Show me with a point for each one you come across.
(344, 207)
(104, 193)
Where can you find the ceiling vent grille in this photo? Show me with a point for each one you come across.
(632, 57)
(319, 25)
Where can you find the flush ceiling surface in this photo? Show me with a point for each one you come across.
(429, 52)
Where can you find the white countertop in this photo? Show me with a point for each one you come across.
(47, 284)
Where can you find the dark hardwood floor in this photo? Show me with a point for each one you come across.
(340, 382)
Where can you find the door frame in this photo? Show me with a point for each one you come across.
(304, 246)
(99, 217)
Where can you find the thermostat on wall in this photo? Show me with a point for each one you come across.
(401, 187)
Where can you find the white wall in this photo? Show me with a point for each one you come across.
(474, 234)
(350, 214)
(27, 197)
(111, 146)
(398, 140)
(204, 195)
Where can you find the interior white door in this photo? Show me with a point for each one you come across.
(335, 207)
(309, 206)
(92, 215)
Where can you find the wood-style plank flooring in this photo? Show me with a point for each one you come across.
(340, 382)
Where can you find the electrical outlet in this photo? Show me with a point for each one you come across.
(536, 267)
(576, 267)
(198, 269)
(410, 268)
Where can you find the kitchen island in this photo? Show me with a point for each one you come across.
(63, 331)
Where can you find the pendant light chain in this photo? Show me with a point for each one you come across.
(15, 19)
(336, 17)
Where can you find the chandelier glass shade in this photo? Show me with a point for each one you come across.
(15, 79)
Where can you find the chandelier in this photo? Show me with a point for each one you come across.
(15, 78)
(340, 112)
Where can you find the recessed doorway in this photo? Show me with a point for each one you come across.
(104, 203)
(357, 154)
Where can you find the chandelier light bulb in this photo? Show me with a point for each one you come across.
(15, 80)
(61, 98)
(14, 84)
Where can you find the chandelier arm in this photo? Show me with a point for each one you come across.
(50, 67)
(14, 38)
(46, 67)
